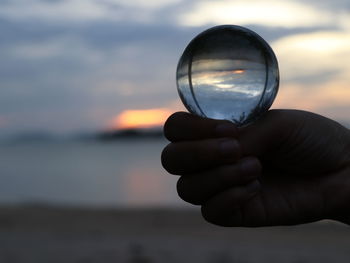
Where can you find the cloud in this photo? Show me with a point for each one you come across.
(314, 57)
(274, 13)
(331, 98)
(315, 72)
(68, 11)
(66, 78)
(153, 4)
(74, 65)
(51, 10)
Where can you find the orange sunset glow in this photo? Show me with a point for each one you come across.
(131, 119)
(221, 73)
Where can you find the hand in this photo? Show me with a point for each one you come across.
(289, 167)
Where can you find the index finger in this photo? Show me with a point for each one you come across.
(182, 126)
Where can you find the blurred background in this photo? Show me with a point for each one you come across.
(85, 86)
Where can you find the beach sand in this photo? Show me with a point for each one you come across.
(52, 234)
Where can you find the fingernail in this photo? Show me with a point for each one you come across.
(253, 187)
(229, 148)
(226, 129)
(250, 166)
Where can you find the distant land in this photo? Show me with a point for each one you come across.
(130, 133)
(111, 135)
(46, 137)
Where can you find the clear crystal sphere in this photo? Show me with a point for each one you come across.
(228, 72)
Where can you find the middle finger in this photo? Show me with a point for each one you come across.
(192, 156)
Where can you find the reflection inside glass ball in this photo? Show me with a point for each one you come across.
(228, 72)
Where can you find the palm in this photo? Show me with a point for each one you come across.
(296, 169)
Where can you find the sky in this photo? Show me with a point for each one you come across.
(70, 66)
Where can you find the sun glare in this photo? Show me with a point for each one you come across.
(130, 119)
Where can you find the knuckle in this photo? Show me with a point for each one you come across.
(180, 186)
(181, 189)
(208, 215)
(196, 152)
(171, 125)
(167, 159)
(225, 174)
(181, 157)
(204, 152)
(185, 192)
(188, 157)
(164, 155)
(213, 218)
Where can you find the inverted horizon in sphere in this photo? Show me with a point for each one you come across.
(228, 72)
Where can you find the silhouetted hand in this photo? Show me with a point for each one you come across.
(289, 167)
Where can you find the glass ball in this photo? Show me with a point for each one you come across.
(228, 72)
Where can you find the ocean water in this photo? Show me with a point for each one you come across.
(123, 173)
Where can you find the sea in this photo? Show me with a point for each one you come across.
(121, 173)
(91, 173)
